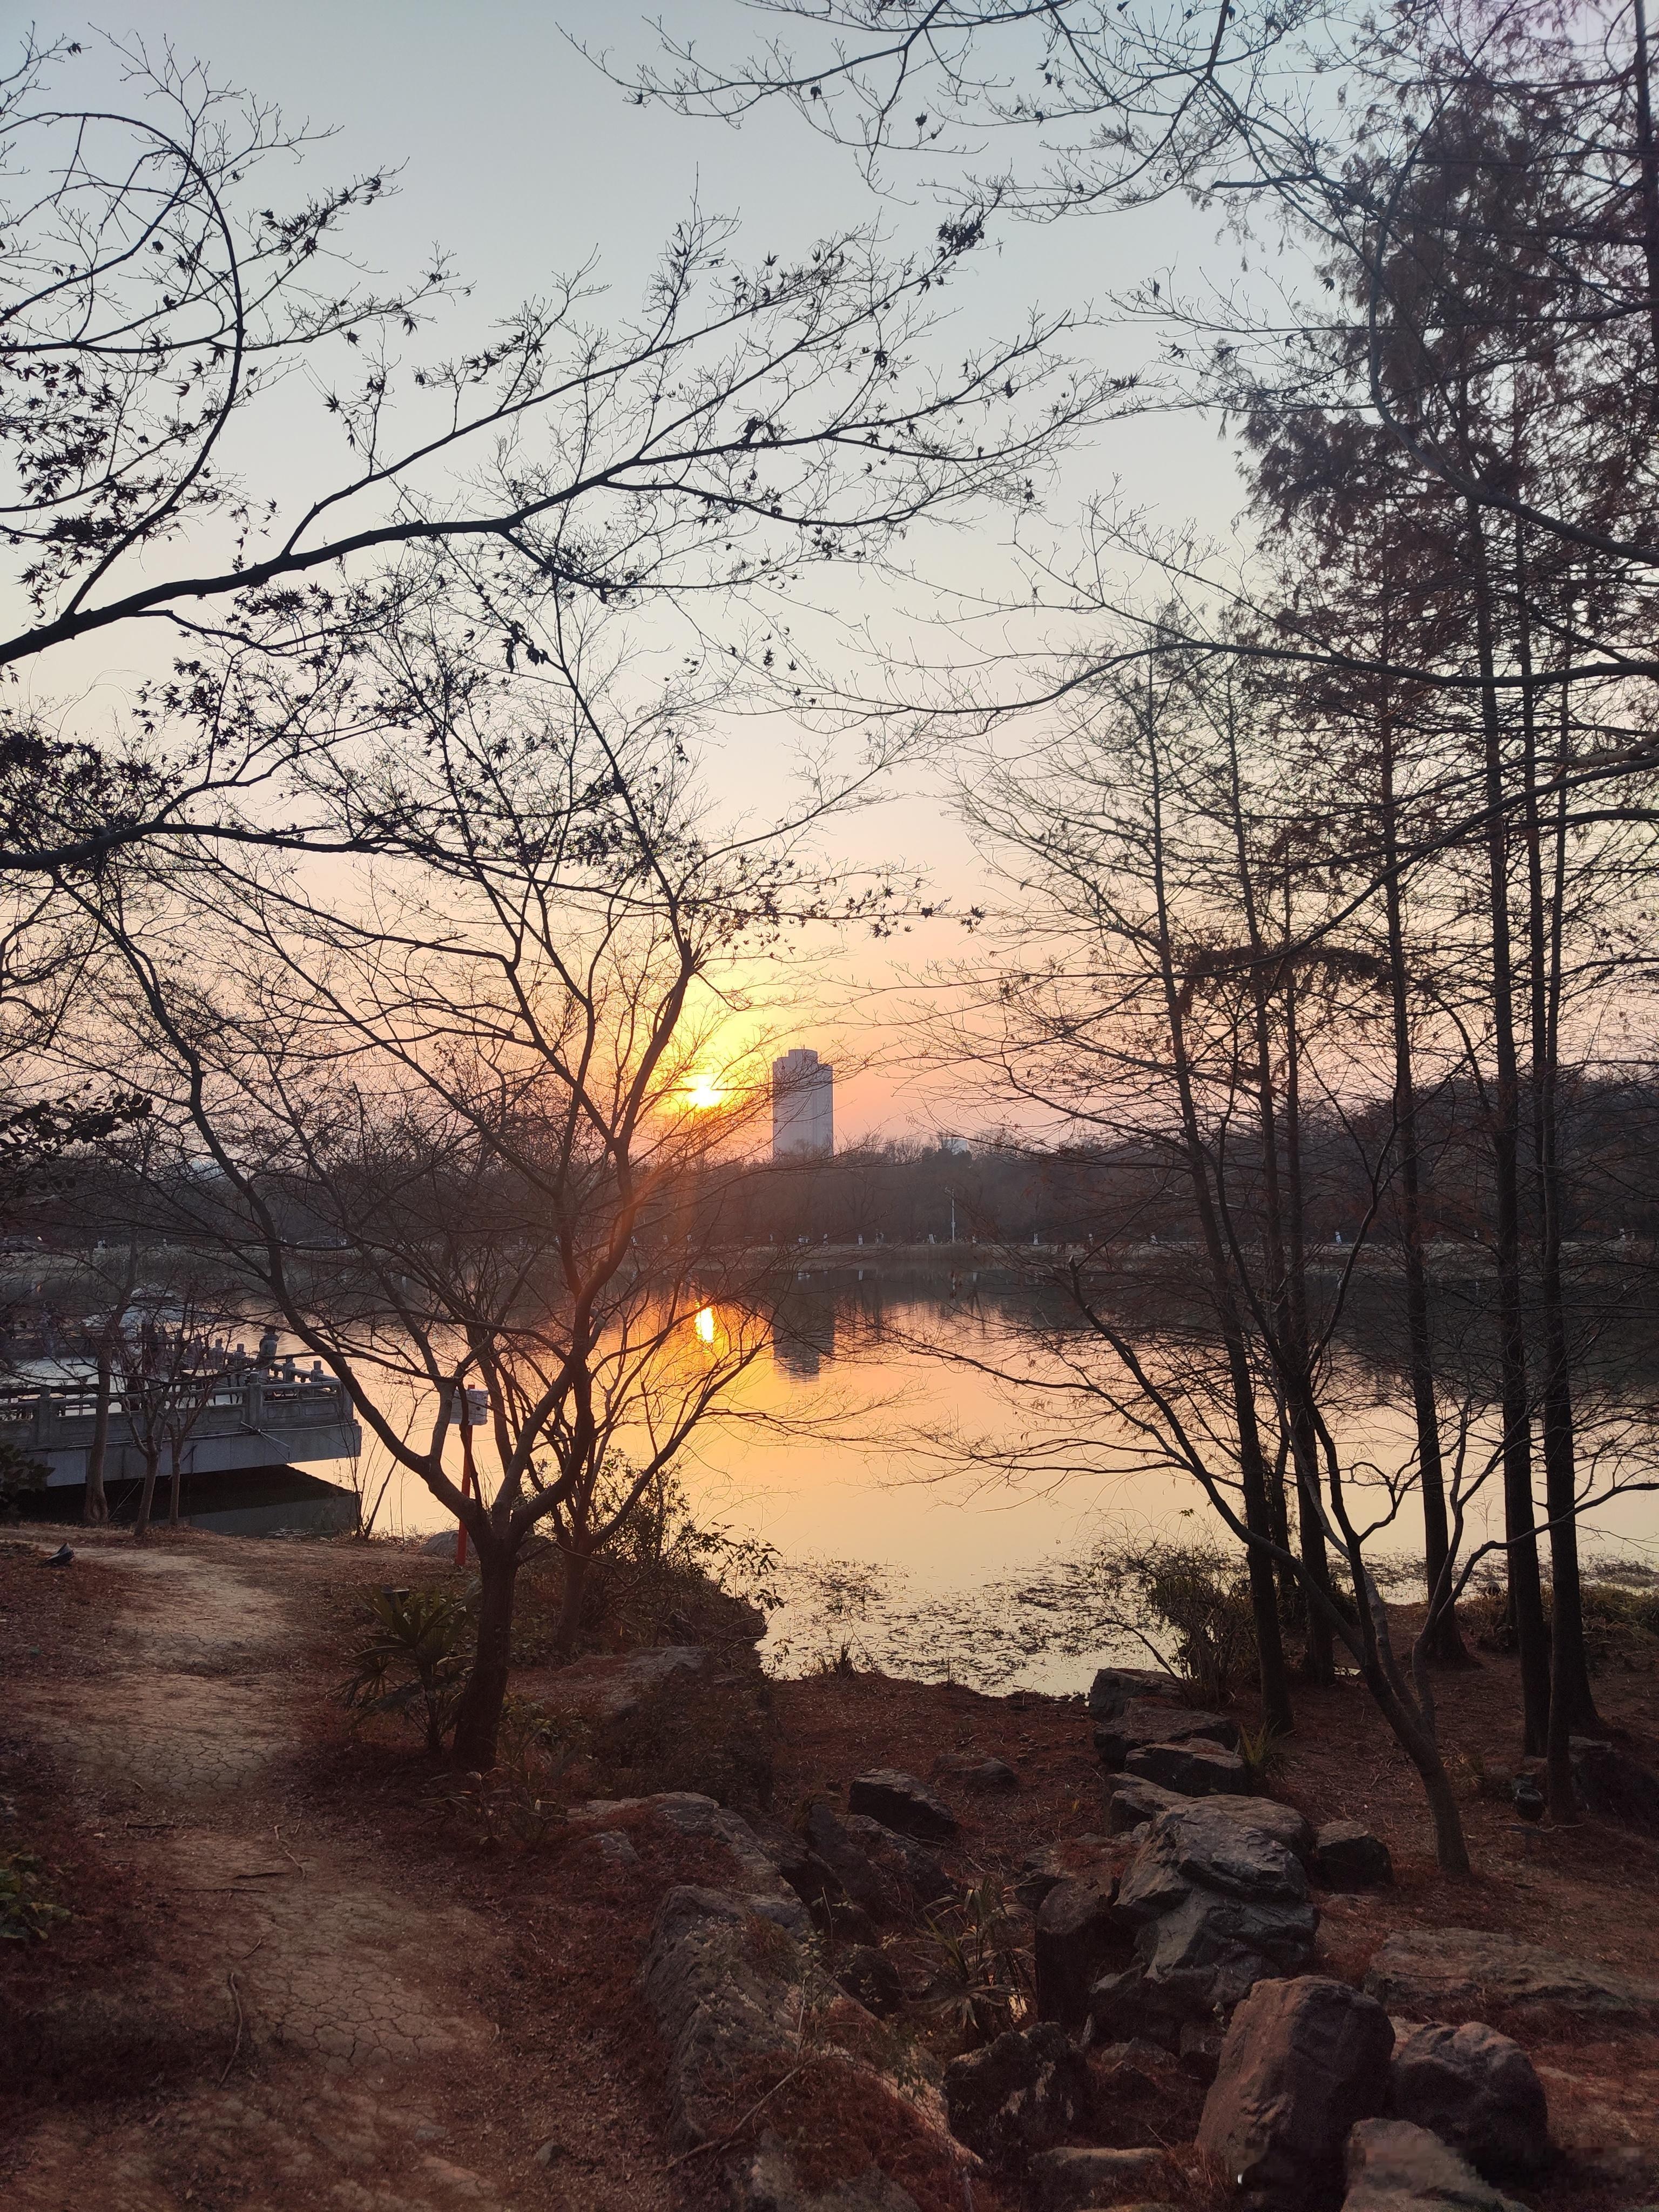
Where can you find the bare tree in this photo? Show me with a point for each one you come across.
(1140, 1026)
(475, 1127)
(747, 423)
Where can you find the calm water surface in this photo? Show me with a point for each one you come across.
(859, 1448)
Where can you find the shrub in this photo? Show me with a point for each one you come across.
(412, 1656)
(21, 1476)
(1187, 1604)
(661, 1579)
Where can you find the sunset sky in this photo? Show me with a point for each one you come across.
(520, 158)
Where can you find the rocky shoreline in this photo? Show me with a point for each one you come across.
(1174, 1960)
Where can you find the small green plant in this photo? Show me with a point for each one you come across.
(1262, 1750)
(27, 1912)
(981, 1981)
(517, 1804)
(412, 1656)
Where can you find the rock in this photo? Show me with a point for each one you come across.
(1348, 1857)
(611, 1848)
(1226, 1944)
(1077, 1934)
(685, 1812)
(440, 1547)
(1076, 2180)
(1477, 2091)
(610, 1687)
(1144, 1721)
(1302, 2062)
(870, 1975)
(1197, 1769)
(975, 1773)
(1216, 1907)
(1114, 1687)
(1440, 1973)
(1097, 1859)
(1017, 2096)
(899, 1800)
(690, 1815)
(723, 1988)
(1199, 2047)
(769, 2183)
(1194, 1844)
(886, 1875)
(1613, 1786)
(1130, 1802)
(1393, 2166)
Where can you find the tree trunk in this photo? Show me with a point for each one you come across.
(95, 1506)
(1526, 1583)
(1272, 1673)
(1572, 1702)
(478, 1715)
(1446, 1646)
(147, 1495)
(1320, 1665)
(174, 1489)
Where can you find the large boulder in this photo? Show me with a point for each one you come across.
(1079, 2180)
(1393, 2166)
(1456, 1973)
(1020, 2095)
(1114, 1687)
(1347, 1856)
(1215, 1908)
(889, 1876)
(1613, 1786)
(900, 1800)
(1147, 1721)
(1130, 1802)
(1193, 1843)
(1477, 2091)
(724, 1987)
(1226, 1943)
(609, 1686)
(756, 1873)
(1302, 2062)
(1076, 1936)
(1198, 1768)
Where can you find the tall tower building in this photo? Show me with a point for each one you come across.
(803, 1106)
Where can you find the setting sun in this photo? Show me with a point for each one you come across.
(706, 1324)
(703, 1092)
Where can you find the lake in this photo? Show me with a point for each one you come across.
(857, 1447)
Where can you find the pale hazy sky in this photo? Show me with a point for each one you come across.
(521, 160)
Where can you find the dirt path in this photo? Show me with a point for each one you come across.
(349, 2013)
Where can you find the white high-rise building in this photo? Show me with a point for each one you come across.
(803, 1106)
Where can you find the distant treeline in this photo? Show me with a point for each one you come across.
(903, 1192)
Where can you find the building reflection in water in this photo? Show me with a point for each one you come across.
(804, 1334)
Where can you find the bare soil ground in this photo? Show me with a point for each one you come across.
(289, 1981)
(270, 1994)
